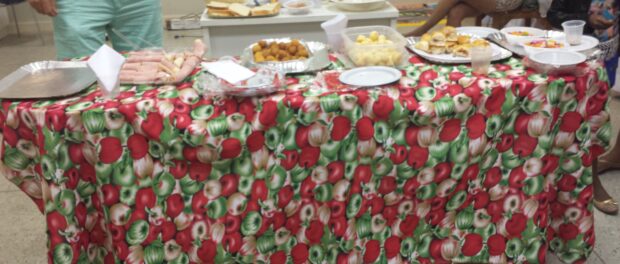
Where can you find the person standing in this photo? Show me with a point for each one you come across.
(601, 18)
(456, 10)
(81, 26)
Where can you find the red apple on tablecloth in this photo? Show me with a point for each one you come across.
(372, 249)
(255, 141)
(496, 244)
(418, 157)
(153, 125)
(341, 128)
(365, 129)
(335, 171)
(111, 194)
(476, 125)
(301, 136)
(174, 205)
(199, 171)
(285, 195)
(110, 150)
(516, 225)
(383, 106)
(268, 114)
(290, 159)
(168, 230)
(299, 253)
(207, 251)
(230, 148)
(472, 244)
(229, 183)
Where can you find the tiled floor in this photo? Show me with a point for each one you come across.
(22, 227)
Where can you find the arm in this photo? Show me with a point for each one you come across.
(45, 7)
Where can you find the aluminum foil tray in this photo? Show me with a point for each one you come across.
(46, 79)
(318, 58)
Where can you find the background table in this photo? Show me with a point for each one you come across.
(226, 37)
(444, 166)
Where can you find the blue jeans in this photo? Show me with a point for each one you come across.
(611, 65)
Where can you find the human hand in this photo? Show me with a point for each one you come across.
(45, 7)
(597, 21)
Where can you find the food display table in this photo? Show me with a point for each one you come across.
(445, 166)
(231, 35)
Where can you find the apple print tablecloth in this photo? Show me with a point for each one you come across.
(445, 166)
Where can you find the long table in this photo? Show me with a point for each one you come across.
(444, 166)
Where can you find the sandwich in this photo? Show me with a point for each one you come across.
(423, 45)
(448, 30)
(480, 43)
(217, 5)
(219, 12)
(438, 39)
(450, 45)
(267, 9)
(426, 37)
(239, 10)
(463, 39)
(452, 37)
(462, 50)
(438, 50)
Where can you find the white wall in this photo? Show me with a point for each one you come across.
(171, 8)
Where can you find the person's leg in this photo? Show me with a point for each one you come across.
(611, 159)
(79, 27)
(140, 24)
(459, 12)
(443, 8)
(602, 200)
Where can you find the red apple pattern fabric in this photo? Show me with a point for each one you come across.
(445, 166)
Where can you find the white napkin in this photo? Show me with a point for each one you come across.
(228, 70)
(107, 63)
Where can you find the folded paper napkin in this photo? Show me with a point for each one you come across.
(107, 64)
(228, 70)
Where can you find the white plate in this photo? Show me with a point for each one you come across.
(534, 32)
(359, 5)
(482, 32)
(370, 76)
(587, 43)
(558, 58)
(499, 53)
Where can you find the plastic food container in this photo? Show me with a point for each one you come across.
(298, 7)
(535, 45)
(556, 62)
(390, 52)
(514, 35)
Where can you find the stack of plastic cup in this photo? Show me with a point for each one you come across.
(333, 29)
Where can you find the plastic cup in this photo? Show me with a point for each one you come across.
(481, 59)
(335, 41)
(573, 29)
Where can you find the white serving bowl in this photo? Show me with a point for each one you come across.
(556, 61)
(532, 50)
(298, 7)
(359, 5)
(532, 33)
(558, 58)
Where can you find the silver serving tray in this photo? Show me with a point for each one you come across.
(45, 79)
(501, 40)
(501, 55)
(318, 58)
